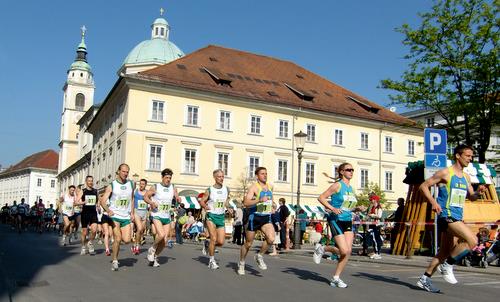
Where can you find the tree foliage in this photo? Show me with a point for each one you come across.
(454, 69)
(364, 199)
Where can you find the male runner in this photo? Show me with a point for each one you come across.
(87, 198)
(66, 206)
(141, 212)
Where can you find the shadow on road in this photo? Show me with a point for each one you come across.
(129, 262)
(385, 279)
(23, 255)
(305, 274)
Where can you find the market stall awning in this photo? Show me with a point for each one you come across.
(190, 202)
(480, 173)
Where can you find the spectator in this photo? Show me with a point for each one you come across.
(178, 226)
(303, 223)
(397, 218)
(283, 216)
(374, 216)
(275, 217)
(238, 225)
(318, 227)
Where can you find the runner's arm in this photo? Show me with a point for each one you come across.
(204, 199)
(104, 198)
(250, 199)
(438, 177)
(334, 188)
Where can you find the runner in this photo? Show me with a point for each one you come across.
(40, 210)
(105, 223)
(259, 201)
(13, 215)
(215, 201)
(453, 185)
(49, 216)
(88, 199)
(22, 215)
(343, 200)
(161, 197)
(141, 212)
(121, 210)
(78, 214)
(66, 206)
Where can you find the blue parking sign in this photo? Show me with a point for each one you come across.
(435, 141)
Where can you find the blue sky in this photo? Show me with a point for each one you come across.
(352, 43)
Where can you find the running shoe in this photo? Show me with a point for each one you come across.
(114, 265)
(99, 241)
(337, 283)
(155, 262)
(260, 261)
(425, 283)
(151, 255)
(319, 250)
(447, 271)
(213, 265)
(170, 244)
(63, 240)
(90, 247)
(205, 247)
(376, 257)
(108, 252)
(83, 251)
(241, 269)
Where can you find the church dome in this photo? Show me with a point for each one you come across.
(159, 51)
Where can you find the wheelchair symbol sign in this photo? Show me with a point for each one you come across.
(435, 161)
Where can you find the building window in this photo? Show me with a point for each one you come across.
(190, 161)
(39, 182)
(255, 124)
(364, 178)
(80, 101)
(155, 157)
(388, 144)
(223, 162)
(309, 173)
(411, 147)
(364, 140)
(192, 116)
(339, 137)
(429, 122)
(253, 164)
(157, 111)
(335, 171)
(311, 133)
(283, 129)
(162, 31)
(282, 170)
(388, 181)
(52, 183)
(225, 120)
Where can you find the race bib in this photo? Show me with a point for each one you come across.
(90, 200)
(68, 208)
(219, 203)
(349, 202)
(142, 205)
(265, 207)
(164, 208)
(122, 202)
(457, 198)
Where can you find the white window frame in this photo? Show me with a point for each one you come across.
(311, 137)
(258, 131)
(149, 163)
(279, 132)
(188, 121)
(388, 175)
(184, 170)
(412, 148)
(336, 140)
(251, 171)
(388, 139)
(151, 111)
(39, 182)
(219, 122)
(52, 183)
(361, 145)
(364, 183)
(306, 174)
(279, 174)
(218, 153)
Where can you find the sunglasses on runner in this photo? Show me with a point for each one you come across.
(349, 170)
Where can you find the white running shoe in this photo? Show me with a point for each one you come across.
(90, 247)
(241, 269)
(376, 257)
(205, 248)
(447, 271)
(213, 265)
(151, 255)
(83, 251)
(260, 261)
(425, 283)
(338, 283)
(155, 262)
(63, 240)
(114, 265)
(319, 250)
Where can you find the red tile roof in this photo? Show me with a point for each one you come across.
(47, 159)
(260, 78)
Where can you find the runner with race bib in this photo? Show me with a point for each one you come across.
(141, 212)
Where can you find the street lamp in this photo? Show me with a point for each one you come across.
(300, 140)
(135, 177)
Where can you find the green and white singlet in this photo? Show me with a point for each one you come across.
(217, 200)
(163, 198)
(120, 200)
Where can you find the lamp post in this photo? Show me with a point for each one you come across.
(300, 140)
(135, 178)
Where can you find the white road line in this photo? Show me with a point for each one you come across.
(483, 283)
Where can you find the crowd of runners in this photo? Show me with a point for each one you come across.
(125, 212)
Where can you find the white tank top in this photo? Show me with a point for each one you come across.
(163, 199)
(217, 200)
(121, 199)
(68, 207)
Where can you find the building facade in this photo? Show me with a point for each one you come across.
(33, 178)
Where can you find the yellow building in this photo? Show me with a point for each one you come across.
(224, 108)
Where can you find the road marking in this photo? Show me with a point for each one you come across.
(483, 283)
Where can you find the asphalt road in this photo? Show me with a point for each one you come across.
(34, 268)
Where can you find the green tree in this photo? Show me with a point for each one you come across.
(363, 197)
(454, 69)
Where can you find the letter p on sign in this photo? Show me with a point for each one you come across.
(435, 141)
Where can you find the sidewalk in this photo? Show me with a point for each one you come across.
(413, 261)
